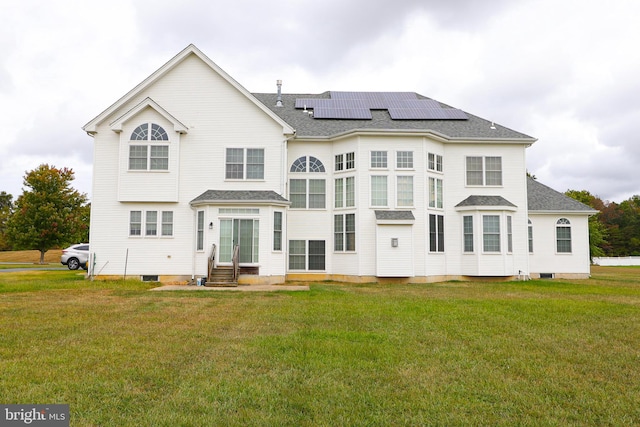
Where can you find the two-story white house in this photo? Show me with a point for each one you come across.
(194, 175)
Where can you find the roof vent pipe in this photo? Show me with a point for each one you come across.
(279, 98)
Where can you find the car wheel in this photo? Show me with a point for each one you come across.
(73, 263)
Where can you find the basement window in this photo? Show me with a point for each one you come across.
(546, 275)
(150, 278)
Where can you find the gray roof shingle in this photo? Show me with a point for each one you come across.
(485, 201)
(543, 198)
(239, 196)
(307, 126)
(395, 215)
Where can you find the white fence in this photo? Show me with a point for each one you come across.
(617, 261)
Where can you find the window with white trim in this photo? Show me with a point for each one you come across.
(467, 233)
(345, 192)
(435, 193)
(436, 233)
(345, 161)
(200, 231)
(307, 193)
(404, 159)
(344, 232)
(491, 233)
(244, 163)
(484, 170)
(277, 231)
(307, 255)
(152, 155)
(563, 236)
(509, 234)
(307, 164)
(135, 223)
(434, 162)
(150, 223)
(378, 160)
(379, 191)
(404, 191)
(530, 227)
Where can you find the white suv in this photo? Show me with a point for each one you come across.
(76, 256)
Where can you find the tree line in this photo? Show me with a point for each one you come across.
(615, 229)
(48, 214)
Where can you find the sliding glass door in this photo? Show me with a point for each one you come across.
(243, 232)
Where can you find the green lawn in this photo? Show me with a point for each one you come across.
(458, 353)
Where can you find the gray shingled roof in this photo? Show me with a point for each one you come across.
(239, 196)
(395, 215)
(307, 126)
(543, 198)
(485, 201)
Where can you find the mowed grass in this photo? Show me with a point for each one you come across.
(536, 353)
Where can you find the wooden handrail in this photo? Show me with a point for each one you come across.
(236, 259)
(212, 261)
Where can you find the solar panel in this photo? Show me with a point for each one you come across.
(358, 105)
(427, 114)
(342, 113)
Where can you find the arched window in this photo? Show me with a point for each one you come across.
(307, 164)
(307, 193)
(149, 132)
(563, 236)
(530, 237)
(151, 156)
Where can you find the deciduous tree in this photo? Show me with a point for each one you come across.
(6, 206)
(49, 213)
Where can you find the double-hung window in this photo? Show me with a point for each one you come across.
(484, 170)
(344, 231)
(467, 232)
(244, 163)
(149, 148)
(277, 231)
(491, 233)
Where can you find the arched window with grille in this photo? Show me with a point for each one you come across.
(307, 193)
(149, 148)
(563, 236)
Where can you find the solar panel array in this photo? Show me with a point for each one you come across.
(358, 105)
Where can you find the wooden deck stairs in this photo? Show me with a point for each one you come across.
(222, 276)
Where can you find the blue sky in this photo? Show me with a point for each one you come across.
(564, 72)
